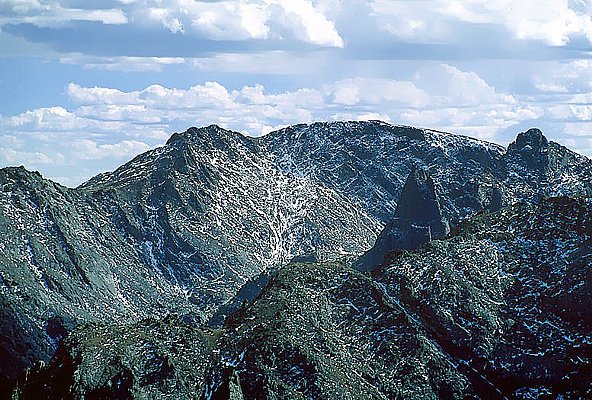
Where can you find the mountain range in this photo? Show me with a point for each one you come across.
(224, 266)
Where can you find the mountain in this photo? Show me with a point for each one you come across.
(498, 309)
(180, 229)
(506, 296)
(370, 161)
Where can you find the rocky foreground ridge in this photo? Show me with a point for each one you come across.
(180, 229)
(499, 309)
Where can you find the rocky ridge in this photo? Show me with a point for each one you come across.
(181, 228)
(369, 161)
(505, 296)
(498, 309)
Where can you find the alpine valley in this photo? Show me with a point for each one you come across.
(341, 260)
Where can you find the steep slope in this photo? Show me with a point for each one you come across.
(212, 211)
(508, 296)
(178, 228)
(62, 261)
(369, 161)
(536, 167)
(324, 331)
(499, 309)
(317, 331)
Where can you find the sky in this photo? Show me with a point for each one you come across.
(86, 85)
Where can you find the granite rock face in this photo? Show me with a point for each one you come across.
(418, 211)
(418, 219)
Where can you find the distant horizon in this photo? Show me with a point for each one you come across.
(85, 85)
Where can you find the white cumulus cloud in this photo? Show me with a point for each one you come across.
(106, 126)
(554, 22)
(243, 20)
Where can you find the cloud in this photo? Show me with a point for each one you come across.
(124, 64)
(373, 92)
(377, 29)
(274, 62)
(438, 96)
(10, 156)
(309, 23)
(51, 13)
(574, 76)
(555, 22)
(54, 126)
(98, 94)
(220, 20)
(46, 119)
(230, 20)
(89, 150)
(551, 88)
(243, 20)
(106, 126)
(450, 85)
(172, 29)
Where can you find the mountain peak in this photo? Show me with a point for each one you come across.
(531, 149)
(533, 139)
(418, 219)
(211, 136)
(337, 131)
(418, 198)
(210, 132)
(19, 174)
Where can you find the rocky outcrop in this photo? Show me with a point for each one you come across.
(497, 309)
(165, 359)
(544, 168)
(503, 295)
(418, 211)
(418, 219)
(532, 148)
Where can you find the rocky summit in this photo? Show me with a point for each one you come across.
(220, 266)
(418, 219)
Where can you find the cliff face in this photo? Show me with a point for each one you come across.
(418, 219)
(419, 206)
